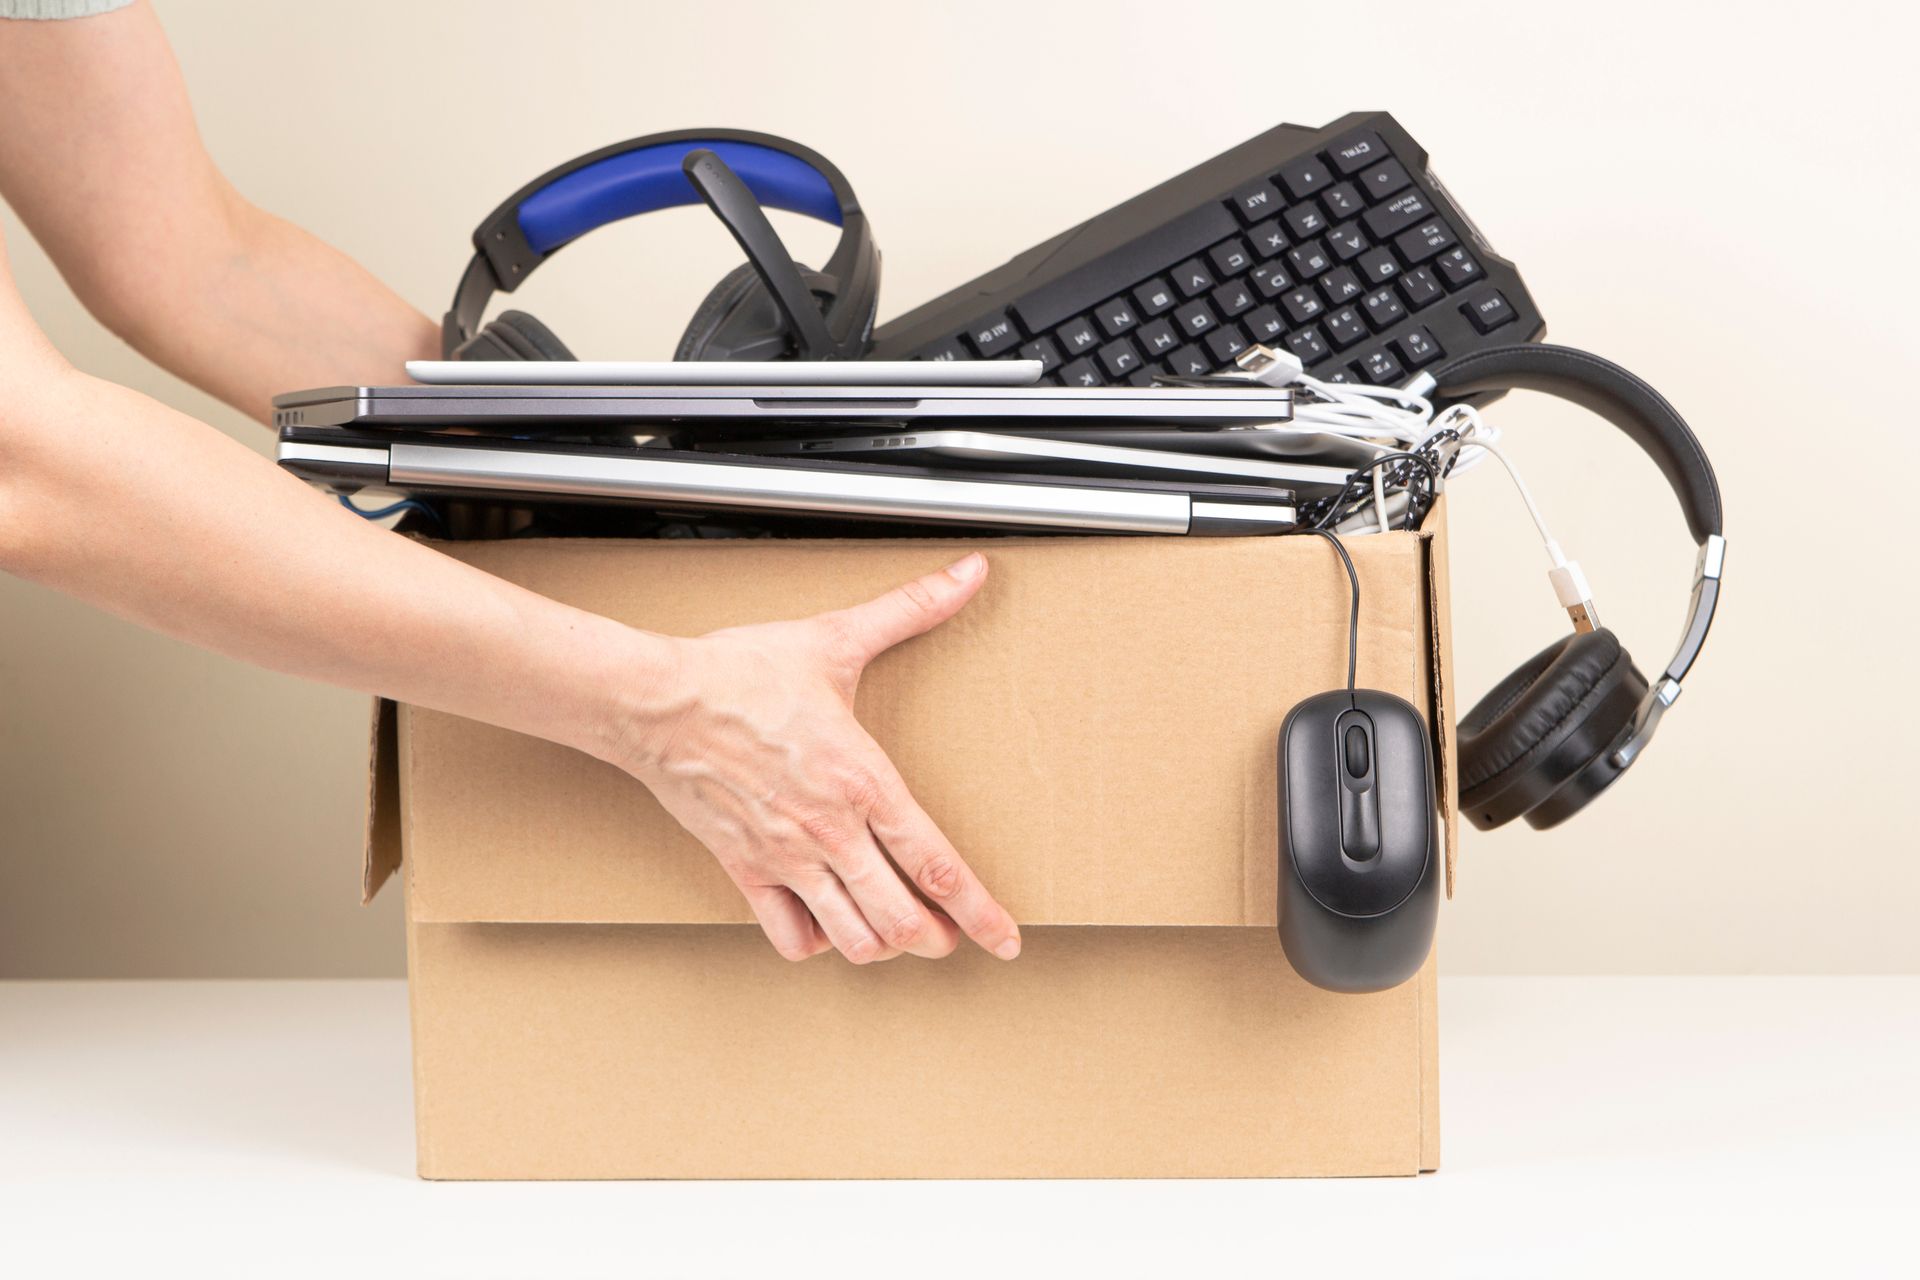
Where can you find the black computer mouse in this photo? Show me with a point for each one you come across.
(1359, 849)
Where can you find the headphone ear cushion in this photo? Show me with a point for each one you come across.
(514, 335)
(738, 320)
(1544, 723)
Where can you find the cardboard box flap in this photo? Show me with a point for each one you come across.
(1446, 753)
(1080, 731)
(382, 856)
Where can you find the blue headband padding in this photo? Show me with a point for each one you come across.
(635, 182)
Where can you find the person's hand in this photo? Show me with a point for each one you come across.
(752, 744)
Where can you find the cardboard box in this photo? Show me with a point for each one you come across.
(1096, 732)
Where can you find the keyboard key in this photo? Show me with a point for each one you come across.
(1194, 319)
(1341, 286)
(1346, 374)
(1045, 351)
(1255, 201)
(1157, 338)
(1078, 337)
(1226, 342)
(1383, 308)
(1304, 177)
(1119, 358)
(1049, 305)
(1308, 345)
(1380, 368)
(1233, 297)
(1345, 327)
(994, 334)
(1230, 257)
(1265, 324)
(1142, 377)
(1341, 201)
(1352, 154)
(1347, 241)
(1378, 265)
(1189, 362)
(1425, 240)
(1419, 288)
(1116, 316)
(949, 349)
(1309, 259)
(1155, 297)
(1269, 279)
(1267, 238)
(1396, 215)
(1417, 347)
(1383, 180)
(1302, 305)
(1304, 221)
(1192, 278)
(1488, 310)
(1457, 268)
(1081, 373)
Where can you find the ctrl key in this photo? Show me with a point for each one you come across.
(1488, 310)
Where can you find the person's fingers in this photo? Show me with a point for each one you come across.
(903, 922)
(936, 868)
(785, 920)
(837, 915)
(912, 608)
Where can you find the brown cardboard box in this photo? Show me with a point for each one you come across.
(1096, 732)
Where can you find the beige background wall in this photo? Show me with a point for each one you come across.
(1720, 200)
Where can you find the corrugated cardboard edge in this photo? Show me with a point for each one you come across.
(384, 841)
(1440, 671)
(1427, 1010)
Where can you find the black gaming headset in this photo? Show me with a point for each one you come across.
(768, 309)
(1559, 730)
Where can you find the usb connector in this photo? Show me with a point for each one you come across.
(1570, 588)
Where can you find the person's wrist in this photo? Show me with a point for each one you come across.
(643, 692)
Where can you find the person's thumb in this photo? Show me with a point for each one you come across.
(912, 608)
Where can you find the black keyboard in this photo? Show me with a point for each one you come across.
(1337, 244)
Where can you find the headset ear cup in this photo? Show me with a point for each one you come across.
(714, 310)
(1544, 726)
(739, 320)
(513, 335)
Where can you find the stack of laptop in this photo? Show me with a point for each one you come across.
(876, 447)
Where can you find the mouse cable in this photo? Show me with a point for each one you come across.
(1353, 614)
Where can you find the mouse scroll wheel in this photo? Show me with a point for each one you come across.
(1356, 742)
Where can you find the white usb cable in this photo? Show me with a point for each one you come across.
(1390, 420)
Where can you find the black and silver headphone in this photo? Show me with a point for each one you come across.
(770, 308)
(1570, 720)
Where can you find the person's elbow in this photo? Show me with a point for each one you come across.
(135, 271)
(29, 435)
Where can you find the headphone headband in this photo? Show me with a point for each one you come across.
(642, 175)
(1601, 387)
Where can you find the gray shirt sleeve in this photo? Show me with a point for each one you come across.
(58, 8)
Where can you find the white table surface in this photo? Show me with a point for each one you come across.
(1646, 1126)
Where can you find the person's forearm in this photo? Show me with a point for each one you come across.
(274, 309)
(116, 499)
(100, 156)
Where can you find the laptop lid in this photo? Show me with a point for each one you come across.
(767, 408)
(673, 480)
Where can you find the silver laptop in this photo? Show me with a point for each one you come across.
(1037, 453)
(558, 409)
(653, 373)
(666, 480)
